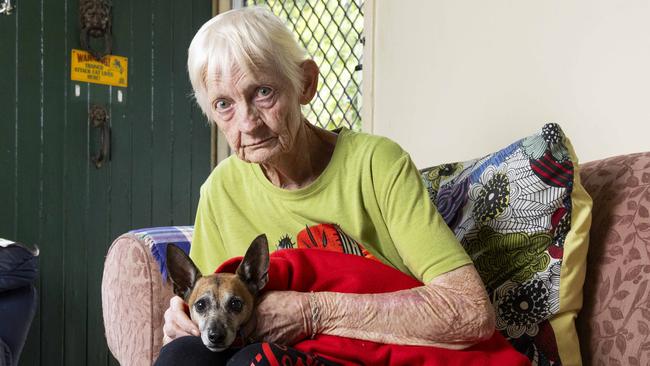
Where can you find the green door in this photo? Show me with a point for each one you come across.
(52, 195)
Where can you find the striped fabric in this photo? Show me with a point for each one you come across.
(157, 238)
(551, 172)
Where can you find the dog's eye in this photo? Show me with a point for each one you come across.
(200, 306)
(235, 305)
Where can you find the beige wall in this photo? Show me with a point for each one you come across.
(455, 79)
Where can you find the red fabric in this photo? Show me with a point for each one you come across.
(319, 270)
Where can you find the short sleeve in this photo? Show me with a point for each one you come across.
(207, 249)
(425, 243)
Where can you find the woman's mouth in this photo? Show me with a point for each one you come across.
(258, 143)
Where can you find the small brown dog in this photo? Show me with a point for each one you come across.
(220, 303)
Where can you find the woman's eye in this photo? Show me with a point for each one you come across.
(264, 91)
(221, 104)
(200, 306)
(235, 305)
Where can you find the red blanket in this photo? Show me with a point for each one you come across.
(319, 270)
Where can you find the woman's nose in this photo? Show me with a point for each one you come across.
(249, 119)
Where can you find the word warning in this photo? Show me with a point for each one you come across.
(110, 70)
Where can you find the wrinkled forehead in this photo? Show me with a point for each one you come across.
(224, 78)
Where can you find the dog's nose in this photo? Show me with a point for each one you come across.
(215, 336)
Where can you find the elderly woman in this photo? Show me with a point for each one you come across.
(251, 77)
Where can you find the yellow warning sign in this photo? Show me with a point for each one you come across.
(110, 70)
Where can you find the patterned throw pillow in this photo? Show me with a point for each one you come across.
(524, 219)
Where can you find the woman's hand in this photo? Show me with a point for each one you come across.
(282, 317)
(177, 323)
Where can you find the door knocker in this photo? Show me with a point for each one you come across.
(6, 8)
(99, 119)
(95, 18)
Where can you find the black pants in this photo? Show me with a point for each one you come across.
(18, 300)
(191, 351)
(17, 309)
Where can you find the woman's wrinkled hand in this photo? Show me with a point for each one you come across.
(282, 317)
(177, 322)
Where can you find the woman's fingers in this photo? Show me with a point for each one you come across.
(180, 316)
(173, 331)
(177, 323)
(166, 339)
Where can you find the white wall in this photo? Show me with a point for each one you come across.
(454, 79)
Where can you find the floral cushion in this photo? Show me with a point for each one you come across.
(524, 218)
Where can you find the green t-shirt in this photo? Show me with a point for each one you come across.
(370, 191)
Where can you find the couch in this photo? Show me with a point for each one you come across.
(613, 325)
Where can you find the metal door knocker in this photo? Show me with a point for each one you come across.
(95, 18)
(6, 8)
(99, 119)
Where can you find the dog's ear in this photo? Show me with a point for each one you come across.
(182, 271)
(254, 268)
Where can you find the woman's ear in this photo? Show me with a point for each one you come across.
(310, 81)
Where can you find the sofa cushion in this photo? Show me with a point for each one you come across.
(523, 216)
(615, 320)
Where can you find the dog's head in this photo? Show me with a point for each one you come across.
(220, 303)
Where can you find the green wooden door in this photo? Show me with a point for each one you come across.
(50, 192)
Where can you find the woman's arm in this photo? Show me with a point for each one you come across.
(452, 311)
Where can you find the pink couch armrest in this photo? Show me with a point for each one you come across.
(134, 299)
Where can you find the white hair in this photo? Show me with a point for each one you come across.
(251, 39)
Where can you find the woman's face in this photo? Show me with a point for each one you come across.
(258, 114)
